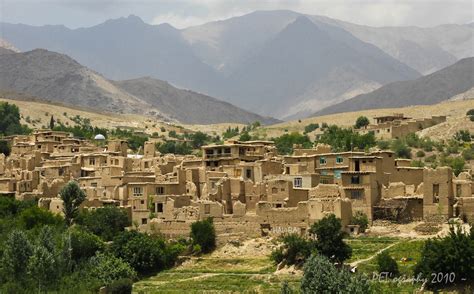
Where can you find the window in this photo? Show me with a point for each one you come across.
(160, 190)
(274, 190)
(357, 194)
(339, 159)
(144, 221)
(297, 182)
(322, 160)
(137, 191)
(278, 205)
(227, 150)
(94, 185)
(287, 170)
(159, 207)
(207, 208)
(435, 193)
(355, 180)
(248, 173)
(142, 201)
(458, 190)
(337, 174)
(91, 161)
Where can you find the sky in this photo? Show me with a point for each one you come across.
(185, 13)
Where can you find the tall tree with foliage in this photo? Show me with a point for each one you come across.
(342, 139)
(361, 122)
(284, 143)
(42, 266)
(10, 120)
(16, 255)
(52, 122)
(330, 238)
(104, 222)
(72, 197)
(204, 234)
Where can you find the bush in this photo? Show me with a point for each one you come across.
(471, 117)
(204, 235)
(330, 237)
(321, 276)
(284, 143)
(122, 286)
(420, 153)
(36, 217)
(386, 264)
(109, 269)
(5, 148)
(311, 127)
(462, 136)
(362, 121)
(401, 150)
(104, 222)
(451, 254)
(360, 219)
(470, 112)
(146, 254)
(294, 250)
(84, 245)
(456, 163)
(383, 145)
(346, 139)
(174, 147)
(245, 137)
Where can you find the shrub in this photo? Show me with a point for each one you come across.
(462, 136)
(401, 150)
(35, 217)
(284, 143)
(5, 148)
(451, 254)
(420, 153)
(386, 264)
(471, 117)
(294, 250)
(321, 276)
(470, 112)
(330, 237)
(417, 163)
(456, 163)
(311, 127)
(362, 121)
(468, 154)
(109, 269)
(104, 222)
(204, 235)
(122, 286)
(360, 219)
(84, 245)
(245, 137)
(383, 145)
(342, 139)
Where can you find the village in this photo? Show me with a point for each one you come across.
(247, 188)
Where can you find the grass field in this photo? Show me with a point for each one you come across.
(209, 274)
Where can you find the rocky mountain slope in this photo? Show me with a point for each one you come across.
(57, 77)
(437, 87)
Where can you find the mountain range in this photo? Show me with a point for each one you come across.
(59, 78)
(430, 89)
(276, 63)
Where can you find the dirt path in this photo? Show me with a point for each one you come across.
(355, 263)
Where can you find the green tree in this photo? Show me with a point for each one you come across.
(42, 267)
(104, 222)
(346, 139)
(52, 122)
(204, 234)
(462, 136)
(321, 276)
(146, 254)
(245, 136)
(401, 149)
(294, 250)
(311, 127)
(362, 121)
(109, 269)
(16, 255)
(330, 238)
(84, 245)
(5, 147)
(174, 148)
(360, 219)
(386, 264)
(10, 120)
(36, 217)
(199, 139)
(72, 197)
(284, 143)
(451, 254)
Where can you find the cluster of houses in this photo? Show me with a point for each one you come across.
(246, 187)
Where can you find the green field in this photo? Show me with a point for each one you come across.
(256, 275)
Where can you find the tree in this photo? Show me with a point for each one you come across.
(72, 197)
(462, 136)
(470, 112)
(346, 139)
(16, 255)
(321, 276)
(10, 120)
(361, 220)
(84, 245)
(108, 269)
(284, 143)
(204, 234)
(386, 264)
(144, 253)
(245, 136)
(199, 139)
(51, 122)
(36, 217)
(42, 266)
(362, 121)
(330, 237)
(104, 222)
(294, 250)
(401, 149)
(451, 254)
(311, 127)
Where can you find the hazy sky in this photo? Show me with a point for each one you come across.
(183, 13)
